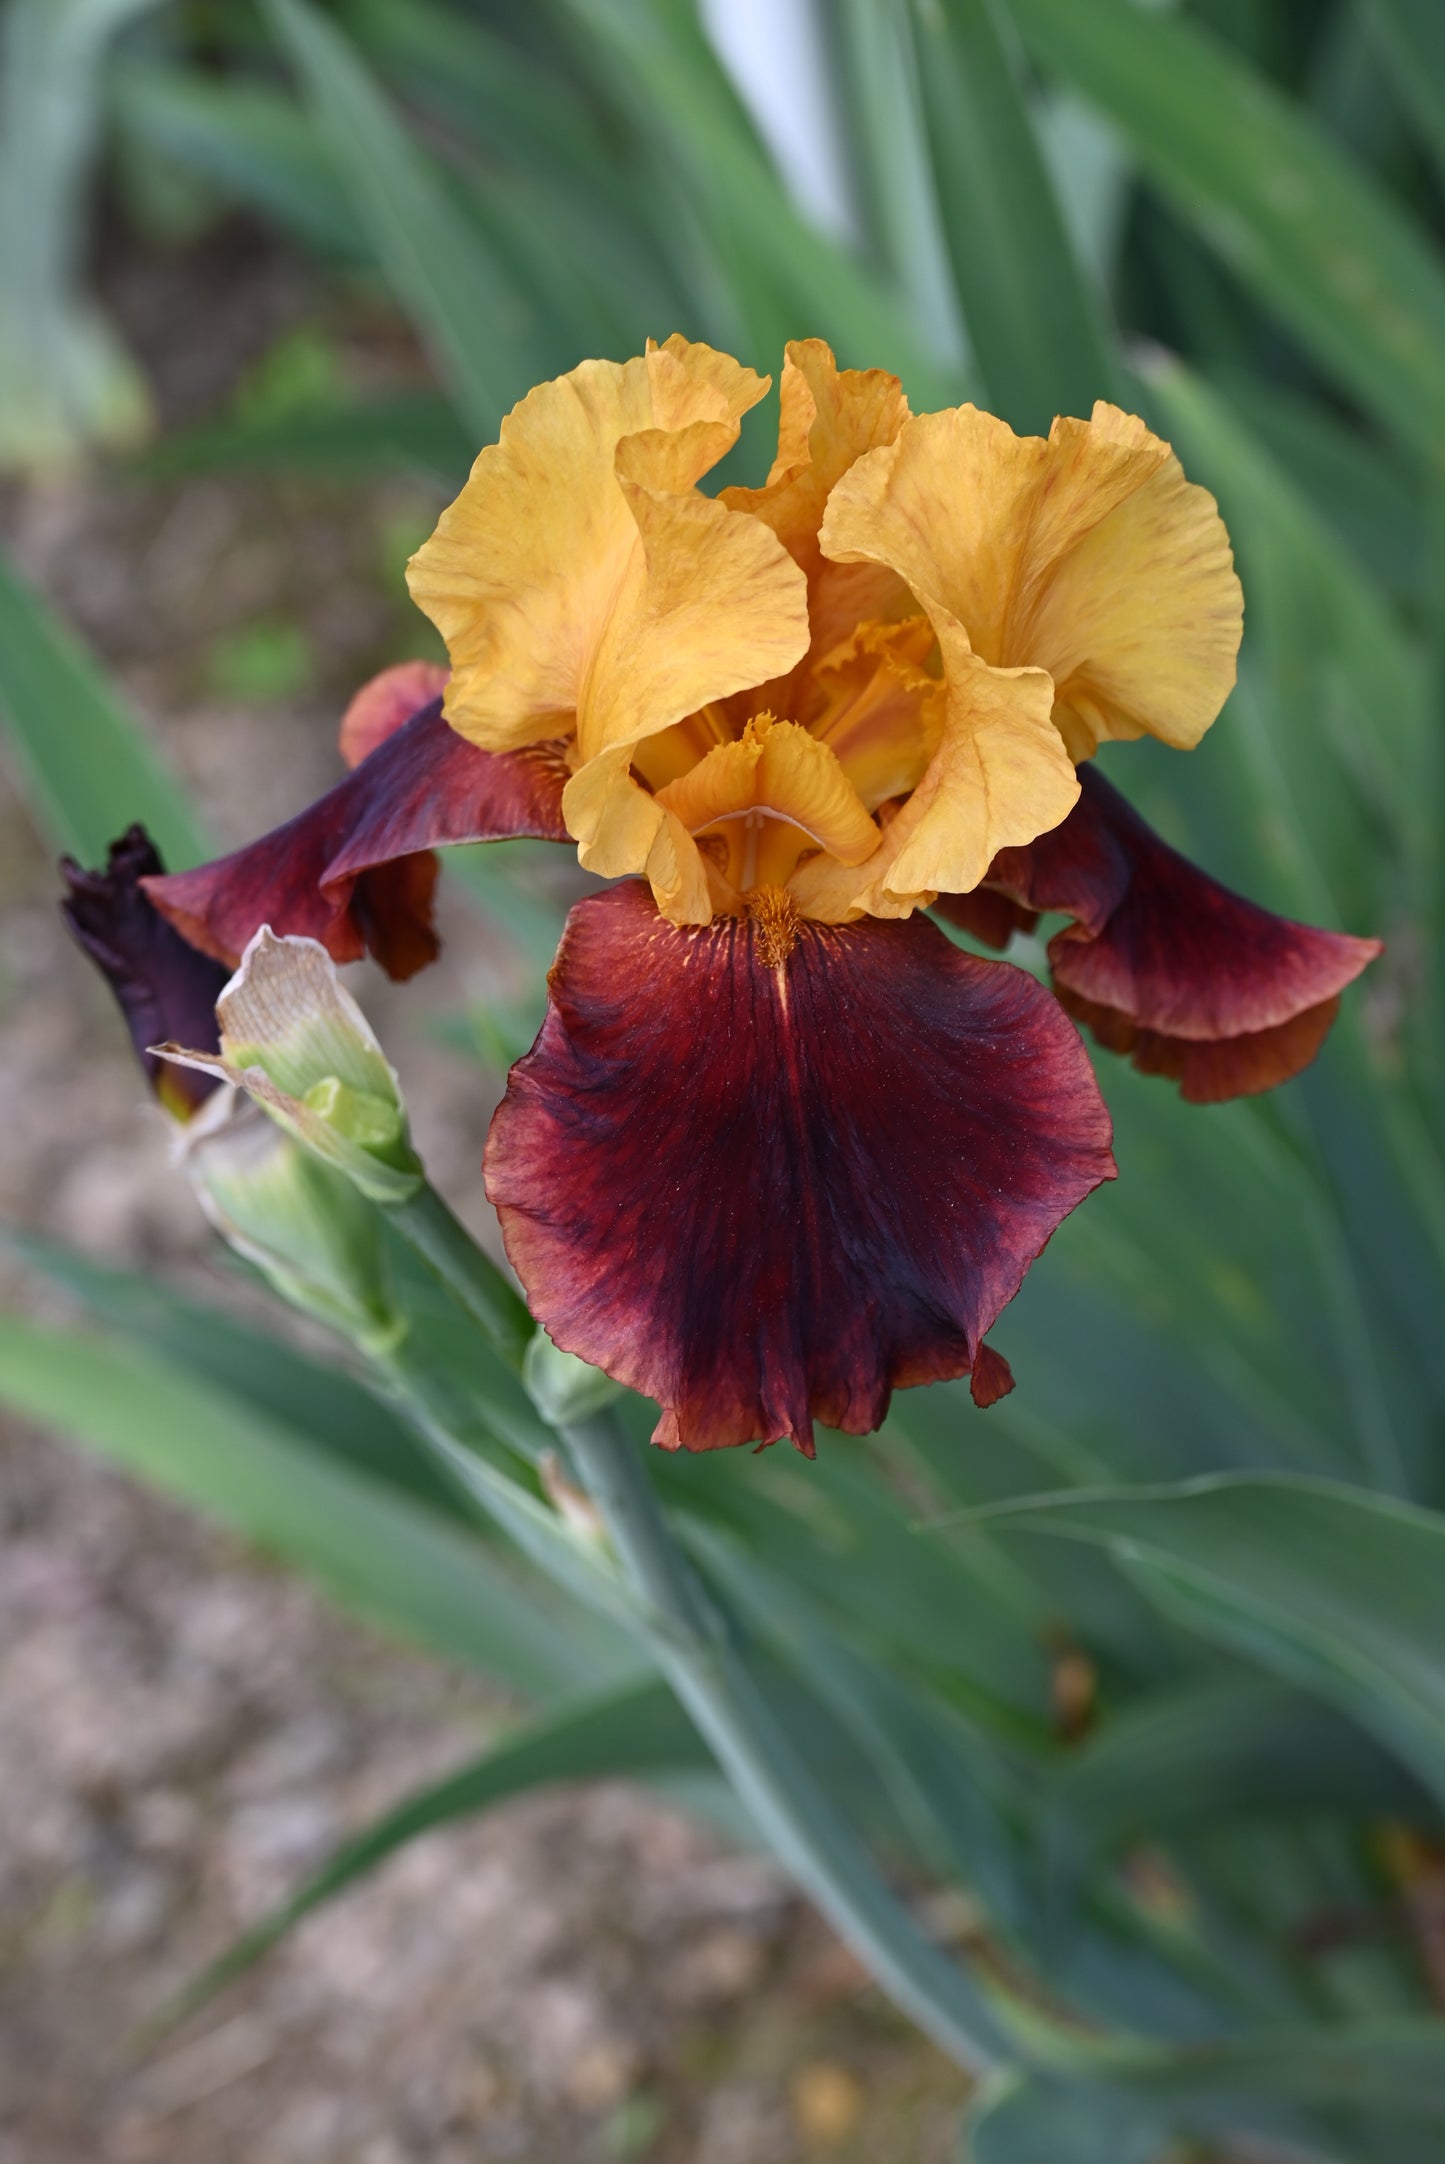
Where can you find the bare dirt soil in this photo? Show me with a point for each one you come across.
(184, 1731)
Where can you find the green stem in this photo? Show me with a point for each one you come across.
(427, 1224)
(816, 1844)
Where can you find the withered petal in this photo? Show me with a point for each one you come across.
(769, 1195)
(163, 987)
(354, 869)
(1163, 962)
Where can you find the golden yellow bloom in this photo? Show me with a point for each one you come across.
(859, 682)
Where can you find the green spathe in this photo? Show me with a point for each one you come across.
(301, 1223)
(295, 1040)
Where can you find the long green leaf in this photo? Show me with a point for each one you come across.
(1322, 246)
(1412, 35)
(1019, 2119)
(84, 760)
(392, 1560)
(333, 1409)
(1206, 1755)
(414, 431)
(1329, 1586)
(1035, 325)
(639, 1729)
(249, 140)
(464, 304)
(66, 382)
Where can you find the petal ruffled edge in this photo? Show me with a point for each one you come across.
(1163, 962)
(766, 1182)
(355, 869)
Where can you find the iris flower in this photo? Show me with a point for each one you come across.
(782, 1146)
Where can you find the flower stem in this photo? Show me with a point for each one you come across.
(427, 1224)
(813, 1841)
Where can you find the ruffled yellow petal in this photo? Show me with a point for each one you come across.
(829, 417)
(621, 830)
(875, 706)
(778, 768)
(1086, 554)
(1140, 623)
(999, 777)
(579, 583)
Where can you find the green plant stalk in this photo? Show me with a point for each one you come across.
(429, 1226)
(692, 1647)
(694, 1650)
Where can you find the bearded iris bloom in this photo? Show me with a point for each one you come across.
(781, 1146)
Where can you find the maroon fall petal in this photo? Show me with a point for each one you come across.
(1164, 963)
(766, 1185)
(354, 869)
(163, 987)
(384, 702)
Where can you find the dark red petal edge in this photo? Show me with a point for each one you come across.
(384, 702)
(353, 870)
(766, 1196)
(1164, 963)
(165, 990)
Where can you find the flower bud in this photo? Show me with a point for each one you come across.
(304, 1225)
(295, 1040)
(162, 986)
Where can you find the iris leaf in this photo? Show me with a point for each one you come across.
(416, 431)
(1036, 326)
(636, 1729)
(392, 1560)
(84, 760)
(1314, 236)
(66, 381)
(480, 329)
(1328, 1586)
(248, 139)
(1411, 34)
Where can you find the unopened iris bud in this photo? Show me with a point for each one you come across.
(163, 987)
(304, 1225)
(295, 1040)
(563, 1388)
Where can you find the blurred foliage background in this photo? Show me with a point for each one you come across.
(1150, 1659)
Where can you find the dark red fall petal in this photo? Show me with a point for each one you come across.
(768, 1195)
(1164, 963)
(384, 702)
(991, 1379)
(163, 987)
(353, 870)
(989, 914)
(1209, 1071)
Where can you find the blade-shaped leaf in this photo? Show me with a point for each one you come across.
(461, 299)
(1019, 2119)
(394, 1561)
(1411, 33)
(333, 1409)
(1317, 239)
(249, 140)
(1036, 326)
(639, 1729)
(85, 761)
(1330, 1586)
(66, 382)
(1207, 1754)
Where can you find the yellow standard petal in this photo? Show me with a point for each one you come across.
(999, 777)
(1085, 553)
(583, 586)
(776, 768)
